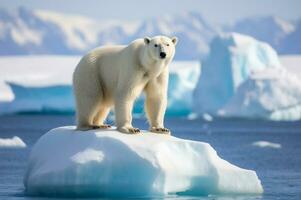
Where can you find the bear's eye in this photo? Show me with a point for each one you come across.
(156, 45)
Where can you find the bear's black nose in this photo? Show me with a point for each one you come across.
(162, 55)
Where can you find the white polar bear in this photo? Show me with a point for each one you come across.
(114, 76)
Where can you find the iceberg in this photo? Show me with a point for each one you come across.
(14, 142)
(70, 163)
(233, 58)
(266, 144)
(269, 94)
(183, 79)
(43, 84)
(243, 78)
(34, 71)
(57, 98)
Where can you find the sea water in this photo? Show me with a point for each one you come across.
(278, 166)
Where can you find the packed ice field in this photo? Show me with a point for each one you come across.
(241, 77)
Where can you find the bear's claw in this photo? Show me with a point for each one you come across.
(134, 130)
(129, 130)
(104, 126)
(160, 130)
(94, 127)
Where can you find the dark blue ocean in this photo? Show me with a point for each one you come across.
(279, 169)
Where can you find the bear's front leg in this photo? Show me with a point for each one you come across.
(155, 104)
(123, 114)
(155, 109)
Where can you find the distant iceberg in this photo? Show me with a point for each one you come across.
(14, 142)
(183, 79)
(242, 77)
(270, 94)
(232, 59)
(57, 98)
(69, 163)
(266, 144)
(31, 87)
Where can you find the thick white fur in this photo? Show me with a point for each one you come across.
(114, 76)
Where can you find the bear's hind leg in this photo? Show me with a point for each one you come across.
(101, 116)
(86, 111)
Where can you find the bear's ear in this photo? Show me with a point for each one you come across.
(174, 40)
(147, 40)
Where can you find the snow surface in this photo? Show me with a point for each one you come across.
(43, 84)
(266, 144)
(14, 142)
(65, 162)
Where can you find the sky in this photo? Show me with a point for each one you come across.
(216, 11)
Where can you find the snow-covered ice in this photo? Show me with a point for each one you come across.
(243, 77)
(270, 94)
(43, 83)
(232, 59)
(266, 144)
(108, 163)
(14, 142)
(35, 71)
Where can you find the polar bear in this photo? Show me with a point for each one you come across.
(114, 76)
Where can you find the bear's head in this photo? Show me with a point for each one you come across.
(161, 47)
